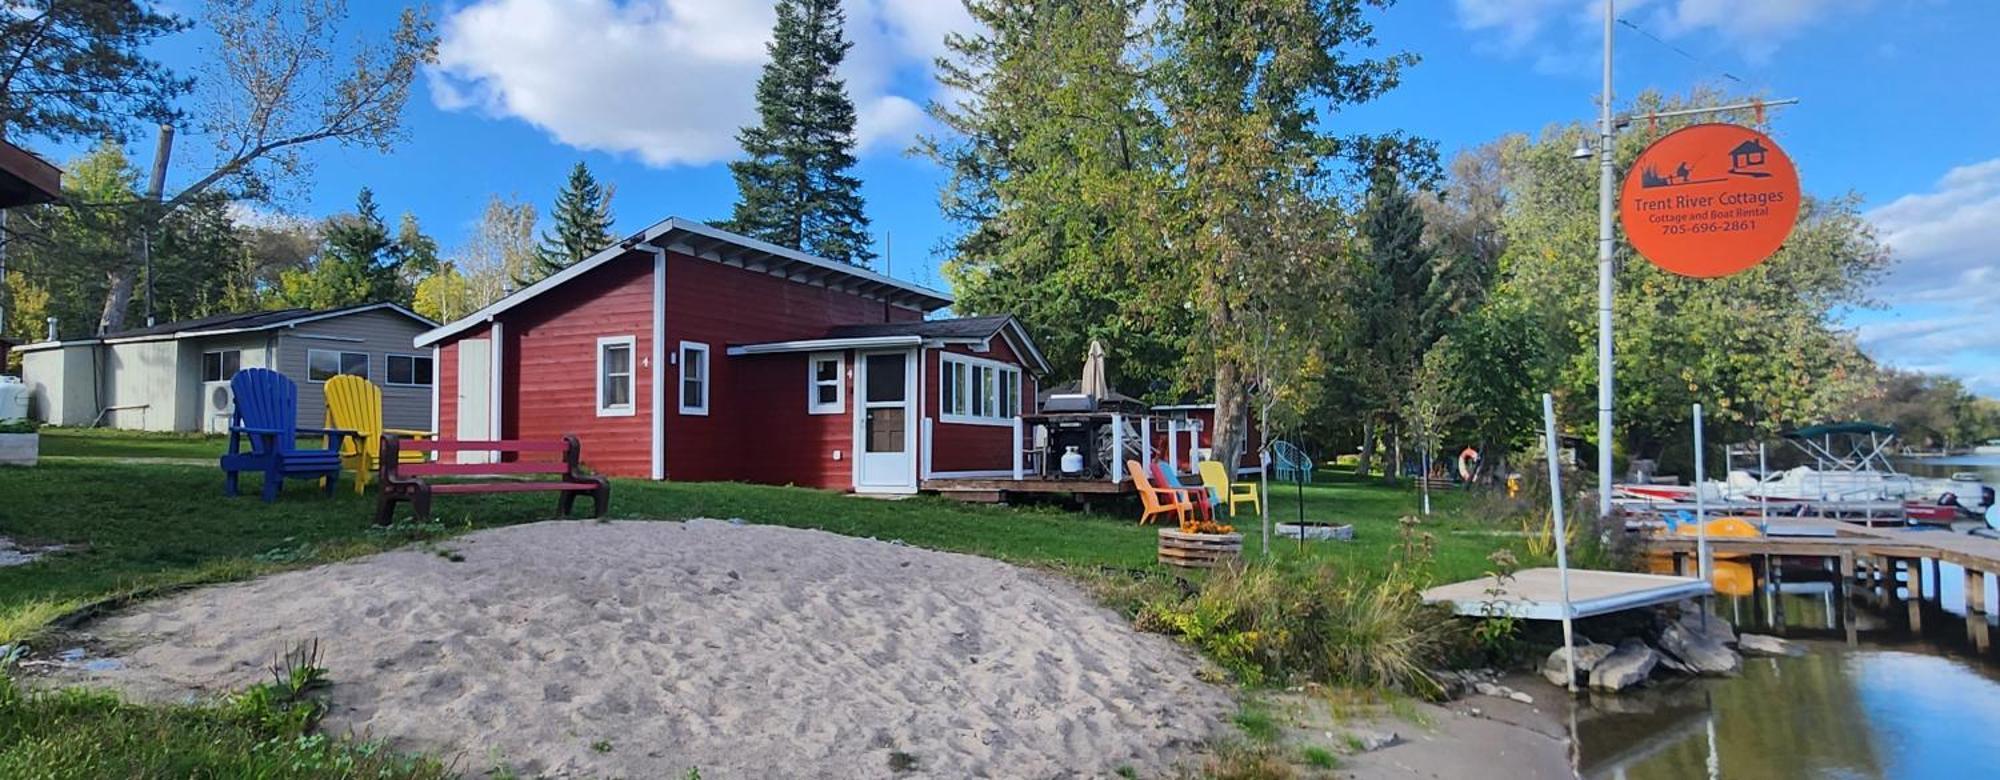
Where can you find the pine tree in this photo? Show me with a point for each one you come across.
(795, 188)
(582, 226)
(360, 262)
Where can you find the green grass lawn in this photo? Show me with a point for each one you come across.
(135, 528)
(112, 443)
(141, 525)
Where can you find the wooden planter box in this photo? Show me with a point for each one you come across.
(20, 449)
(1203, 551)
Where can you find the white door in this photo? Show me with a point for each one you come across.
(884, 423)
(475, 397)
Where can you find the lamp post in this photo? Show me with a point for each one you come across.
(1605, 177)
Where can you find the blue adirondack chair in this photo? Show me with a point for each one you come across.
(266, 419)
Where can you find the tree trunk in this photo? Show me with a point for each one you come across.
(1367, 447)
(117, 299)
(1392, 465)
(1231, 409)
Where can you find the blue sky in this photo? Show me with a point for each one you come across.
(1899, 106)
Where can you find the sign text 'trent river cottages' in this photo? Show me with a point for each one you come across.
(1710, 200)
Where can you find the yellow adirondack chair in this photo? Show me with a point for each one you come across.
(1216, 478)
(355, 404)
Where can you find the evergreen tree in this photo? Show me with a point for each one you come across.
(359, 263)
(582, 226)
(795, 188)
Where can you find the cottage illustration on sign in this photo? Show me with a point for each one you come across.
(1744, 160)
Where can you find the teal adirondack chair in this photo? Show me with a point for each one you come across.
(266, 419)
(1292, 463)
(1204, 499)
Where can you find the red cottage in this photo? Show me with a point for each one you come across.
(693, 353)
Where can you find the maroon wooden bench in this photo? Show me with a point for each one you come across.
(408, 481)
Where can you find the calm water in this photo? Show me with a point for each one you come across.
(1886, 692)
(1987, 466)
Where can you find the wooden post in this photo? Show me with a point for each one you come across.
(1173, 445)
(1117, 448)
(1017, 447)
(1146, 441)
(1975, 591)
(1977, 630)
(924, 432)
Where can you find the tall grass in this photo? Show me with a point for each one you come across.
(1270, 625)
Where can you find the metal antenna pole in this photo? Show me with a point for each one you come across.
(1605, 174)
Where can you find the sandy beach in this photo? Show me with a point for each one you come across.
(642, 649)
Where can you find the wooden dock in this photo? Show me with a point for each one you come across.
(1869, 554)
(1536, 594)
(993, 490)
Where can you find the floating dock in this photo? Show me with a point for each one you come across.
(1536, 594)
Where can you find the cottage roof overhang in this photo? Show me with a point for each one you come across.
(705, 242)
(226, 324)
(25, 178)
(976, 331)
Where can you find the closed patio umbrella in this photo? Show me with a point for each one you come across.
(1094, 384)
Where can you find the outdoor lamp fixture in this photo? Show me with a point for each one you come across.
(1583, 151)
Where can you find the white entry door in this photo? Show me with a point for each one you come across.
(475, 395)
(885, 432)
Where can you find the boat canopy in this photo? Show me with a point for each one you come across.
(1855, 428)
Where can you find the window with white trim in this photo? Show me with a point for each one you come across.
(406, 370)
(826, 392)
(694, 378)
(220, 365)
(615, 383)
(972, 390)
(324, 364)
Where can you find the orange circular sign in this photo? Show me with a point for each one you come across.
(1710, 200)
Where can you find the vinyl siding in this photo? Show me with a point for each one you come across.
(757, 428)
(549, 359)
(377, 334)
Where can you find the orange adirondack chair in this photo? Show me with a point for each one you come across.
(355, 404)
(1157, 500)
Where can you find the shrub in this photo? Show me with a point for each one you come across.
(1267, 625)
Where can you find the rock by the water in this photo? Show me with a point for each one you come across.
(1627, 666)
(1365, 741)
(1700, 652)
(1521, 697)
(1588, 654)
(1484, 688)
(1760, 644)
(1716, 626)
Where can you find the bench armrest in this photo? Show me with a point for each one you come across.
(410, 433)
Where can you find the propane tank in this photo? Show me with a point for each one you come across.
(1072, 461)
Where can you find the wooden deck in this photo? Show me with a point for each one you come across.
(1845, 540)
(1536, 594)
(991, 490)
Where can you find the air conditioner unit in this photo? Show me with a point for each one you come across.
(218, 403)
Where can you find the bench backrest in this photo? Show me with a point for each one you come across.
(266, 399)
(392, 446)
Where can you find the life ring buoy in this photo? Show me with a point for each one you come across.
(1467, 461)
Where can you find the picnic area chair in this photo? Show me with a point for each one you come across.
(355, 404)
(1155, 500)
(266, 417)
(1216, 477)
(1203, 502)
(1292, 464)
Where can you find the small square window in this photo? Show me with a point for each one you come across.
(407, 370)
(221, 365)
(694, 378)
(614, 376)
(825, 389)
(325, 364)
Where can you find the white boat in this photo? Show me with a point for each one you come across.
(1850, 473)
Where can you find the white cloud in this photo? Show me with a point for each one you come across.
(1551, 31)
(1947, 247)
(1946, 241)
(671, 81)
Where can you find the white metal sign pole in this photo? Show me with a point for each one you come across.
(1561, 532)
(1700, 506)
(1605, 241)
